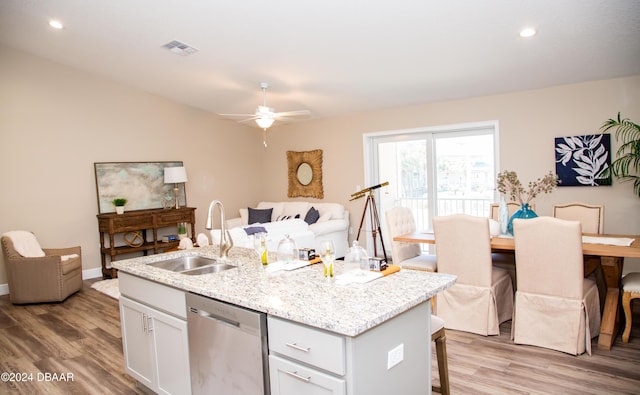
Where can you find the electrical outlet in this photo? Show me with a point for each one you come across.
(395, 356)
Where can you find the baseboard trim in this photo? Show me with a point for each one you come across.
(86, 274)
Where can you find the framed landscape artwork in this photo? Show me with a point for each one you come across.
(581, 159)
(141, 183)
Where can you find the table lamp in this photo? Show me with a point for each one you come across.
(175, 175)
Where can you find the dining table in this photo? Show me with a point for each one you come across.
(610, 248)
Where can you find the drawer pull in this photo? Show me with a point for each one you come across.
(296, 375)
(297, 347)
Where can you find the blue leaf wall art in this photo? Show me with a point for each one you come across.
(581, 159)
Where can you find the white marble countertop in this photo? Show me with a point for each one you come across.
(300, 295)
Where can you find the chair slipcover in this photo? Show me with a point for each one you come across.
(555, 306)
(50, 278)
(406, 255)
(482, 297)
(591, 218)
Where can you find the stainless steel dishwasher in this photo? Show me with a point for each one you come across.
(228, 350)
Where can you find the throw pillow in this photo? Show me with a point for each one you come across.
(312, 216)
(259, 215)
(255, 229)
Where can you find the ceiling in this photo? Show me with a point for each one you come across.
(332, 57)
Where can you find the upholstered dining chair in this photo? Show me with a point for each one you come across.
(555, 306)
(406, 255)
(506, 259)
(482, 297)
(630, 291)
(38, 274)
(591, 217)
(438, 335)
(511, 206)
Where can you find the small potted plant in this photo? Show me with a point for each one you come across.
(119, 204)
(182, 230)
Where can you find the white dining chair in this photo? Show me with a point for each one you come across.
(482, 297)
(630, 291)
(506, 259)
(555, 306)
(407, 255)
(591, 218)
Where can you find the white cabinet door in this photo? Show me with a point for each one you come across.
(289, 378)
(155, 348)
(172, 354)
(136, 341)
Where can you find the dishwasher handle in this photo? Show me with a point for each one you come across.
(222, 320)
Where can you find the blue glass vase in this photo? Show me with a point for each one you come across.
(524, 212)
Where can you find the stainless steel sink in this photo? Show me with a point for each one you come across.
(214, 268)
(192, 265)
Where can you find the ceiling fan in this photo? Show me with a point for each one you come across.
(265, 116)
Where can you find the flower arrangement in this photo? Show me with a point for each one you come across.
(509, 184)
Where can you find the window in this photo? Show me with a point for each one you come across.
(434, 171)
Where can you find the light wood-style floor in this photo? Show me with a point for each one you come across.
(81, 336)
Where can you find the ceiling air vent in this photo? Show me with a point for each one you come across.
(179, 48)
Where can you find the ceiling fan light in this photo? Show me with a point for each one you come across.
(264, 123)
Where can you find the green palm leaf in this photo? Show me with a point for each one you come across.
(627, 165)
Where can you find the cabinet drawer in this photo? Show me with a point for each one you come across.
(159, 296)
(130, 222)
(287, 377)
(172, 217)
(312, 346)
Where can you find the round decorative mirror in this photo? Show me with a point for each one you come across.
(304, 173)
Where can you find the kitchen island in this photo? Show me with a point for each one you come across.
(383, 326)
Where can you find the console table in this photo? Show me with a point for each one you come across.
(140, 220)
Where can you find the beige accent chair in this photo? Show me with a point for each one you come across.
(407, 255)
(438, 335)
(630, 291)
(51, 277)
(555, 307)
(482, 297)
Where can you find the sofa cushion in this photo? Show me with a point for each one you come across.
(261, 216)
(332, 210)
(295, 208)
(312, 216)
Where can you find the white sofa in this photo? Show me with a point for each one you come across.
(289, 218)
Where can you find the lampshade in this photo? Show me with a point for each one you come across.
(264, 123)
(174, 175)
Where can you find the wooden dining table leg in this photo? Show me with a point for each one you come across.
(610, 323)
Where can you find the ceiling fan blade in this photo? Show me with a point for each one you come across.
(253, 118)
(297, 113)
(237, 115)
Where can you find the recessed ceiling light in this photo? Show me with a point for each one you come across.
(56, 24)
(527, 32)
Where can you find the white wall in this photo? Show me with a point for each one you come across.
(55, 122)
(528, 121)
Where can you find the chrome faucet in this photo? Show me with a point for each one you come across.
(225, 238)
